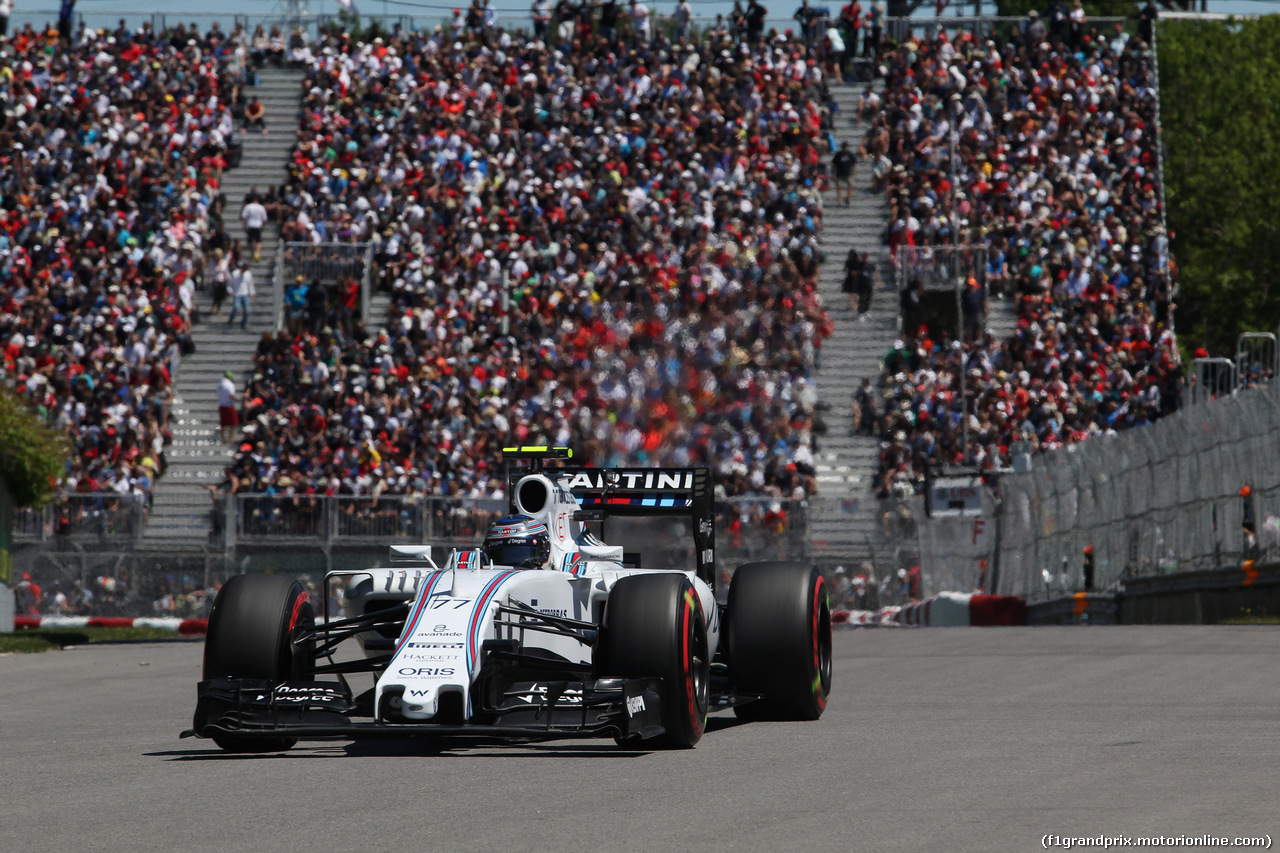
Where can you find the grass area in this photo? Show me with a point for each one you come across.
(48, 639)
(1252, 620)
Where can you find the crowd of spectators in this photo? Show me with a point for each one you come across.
(609, 243)
(1056, 177)
(112, 145)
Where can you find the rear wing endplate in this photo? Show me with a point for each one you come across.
(636, 492)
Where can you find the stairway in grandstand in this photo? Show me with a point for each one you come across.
(1002, 316)
(179, 516)
(842, 518)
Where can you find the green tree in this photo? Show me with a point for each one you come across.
(1219, 91)
(33, 456)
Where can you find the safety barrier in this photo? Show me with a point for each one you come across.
(185, 627)
(945, 610)
(1198, 490)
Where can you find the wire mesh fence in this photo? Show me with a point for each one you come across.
(1197, 490)
(85, 551)
(940, 267)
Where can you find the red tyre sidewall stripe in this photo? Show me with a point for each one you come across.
(818, 692)
(297, 609)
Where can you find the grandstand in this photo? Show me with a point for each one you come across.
(616, 244)
(1054, 180)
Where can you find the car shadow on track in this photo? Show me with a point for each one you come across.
(412, 748)
(719, 724)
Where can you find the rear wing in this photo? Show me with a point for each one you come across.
(634, 492)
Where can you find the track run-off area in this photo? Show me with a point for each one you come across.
(935, 739)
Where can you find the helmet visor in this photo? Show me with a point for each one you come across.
(522, 554)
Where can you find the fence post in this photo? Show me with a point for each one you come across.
(277, 287)
(331, 521)
(365, 285)
(227, 508)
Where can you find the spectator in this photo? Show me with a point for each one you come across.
(756, 14)
(255, 115)
(1077, 17)
(645, 293)
(6, 9)
(682, 16)
(541, 17)
(738, 22)
(1035, 28)
(875, 20)
(66, 12)
(835, 48)
(254, 216)
(807, 17)
(640, 24)
(1079, 245)
(228, 417)
(242, 290)
(844, 166)
(317, 306)
(275, 50)
(28, 597)
(851, 23)
(1147, 18)
(852, 268)
(609, 12)
(1059, 25)
(867, 279)
(973, 309)
(99, 265)
(295, 300)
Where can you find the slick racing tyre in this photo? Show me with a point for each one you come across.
(779, 640)
(250, 635)
(654, 627)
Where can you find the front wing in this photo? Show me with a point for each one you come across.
(535, 710)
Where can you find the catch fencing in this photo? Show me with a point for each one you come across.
(510, 17)
(1197, 490)
(97, 519)
(86, 551)
(939, 267)
(747, 528)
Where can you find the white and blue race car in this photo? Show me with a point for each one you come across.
(544, 632)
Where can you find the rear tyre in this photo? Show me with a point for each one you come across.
(654, 627)
(251, 630)
(779, 640)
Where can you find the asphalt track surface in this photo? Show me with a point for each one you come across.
(935, 739)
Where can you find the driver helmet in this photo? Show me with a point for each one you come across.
(518, 541)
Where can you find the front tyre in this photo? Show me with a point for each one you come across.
(251, 635)
(654, 627)
(779, 640)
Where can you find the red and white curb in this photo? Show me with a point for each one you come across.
(188, 627)
(947, 609)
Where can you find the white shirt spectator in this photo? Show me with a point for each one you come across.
(254, 215)
(226, 393)
(242, 283)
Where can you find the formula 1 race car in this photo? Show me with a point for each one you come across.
(487, 646)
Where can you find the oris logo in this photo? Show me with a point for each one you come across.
(419, 671)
